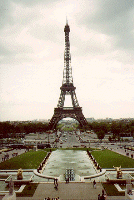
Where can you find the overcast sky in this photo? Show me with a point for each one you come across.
(32, 57)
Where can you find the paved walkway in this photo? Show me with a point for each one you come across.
(71, 191)
(123, 151)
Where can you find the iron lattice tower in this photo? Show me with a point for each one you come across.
(67, 88)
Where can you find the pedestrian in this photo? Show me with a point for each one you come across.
(94, 184)
(102, 192)
(57, 184)
(56, 187)
(68, 179)
(103, 196)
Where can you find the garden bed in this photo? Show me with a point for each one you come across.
(111, 190)
(28, 191)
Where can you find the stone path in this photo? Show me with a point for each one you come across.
(71, 191)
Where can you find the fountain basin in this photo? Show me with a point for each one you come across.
(60, 160)
(112, 178)
(26, 179)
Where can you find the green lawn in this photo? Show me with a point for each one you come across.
(108, 159)
(28, 160)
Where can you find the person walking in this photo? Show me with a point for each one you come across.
(56, 183)
(94, 184)
(99, 197)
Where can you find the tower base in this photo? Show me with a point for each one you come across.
(60, 113)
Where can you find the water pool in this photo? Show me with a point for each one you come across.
(60, 160)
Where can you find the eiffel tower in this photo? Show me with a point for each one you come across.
(67, 88)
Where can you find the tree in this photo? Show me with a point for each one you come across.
(100, 134)
(115, 129)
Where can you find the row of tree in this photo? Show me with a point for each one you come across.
(10, 129)
(115, 128)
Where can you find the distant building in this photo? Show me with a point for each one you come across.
(91, 119)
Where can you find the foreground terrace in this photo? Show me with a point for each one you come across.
(82, 186)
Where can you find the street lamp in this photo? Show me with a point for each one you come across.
(48, 137)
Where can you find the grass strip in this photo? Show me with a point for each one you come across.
(28, 191)
(28, 160)
(4, 176)
(108, 159)
(111, 190)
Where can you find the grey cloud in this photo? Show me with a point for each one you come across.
(111, 9)
(88, 48)
(7, 9)
(5, 13)
(4, 50)
(48, 31)
(14, 53)
(31, 3)
(114, 18)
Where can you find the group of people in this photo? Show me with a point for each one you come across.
(5, 157)
(14, 154)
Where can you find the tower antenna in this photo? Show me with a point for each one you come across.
(66, 20)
